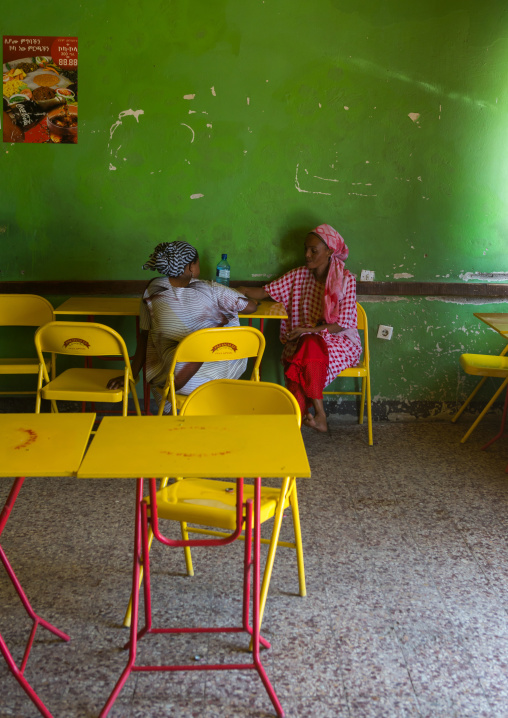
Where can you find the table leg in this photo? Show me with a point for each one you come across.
(25, 685)
(503, 423)
(256, 601)
(37, 620)
(133, 640)
(252, 569)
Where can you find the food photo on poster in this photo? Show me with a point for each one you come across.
(40, 89)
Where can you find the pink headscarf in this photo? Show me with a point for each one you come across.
(335, 281)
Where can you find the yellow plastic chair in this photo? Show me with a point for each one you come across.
(483, 365)
(212, 345)
(360, 371)
(212, 503)
(24, 310)
(83, 339)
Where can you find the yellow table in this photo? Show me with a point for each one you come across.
(495, 320)
(129, 307)
(105, 306)
(37, 445)
(211, 447)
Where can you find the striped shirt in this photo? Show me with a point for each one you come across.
(171, 313)
(302, 297)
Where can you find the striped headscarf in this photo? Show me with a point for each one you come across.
(171, 258)
(335, 280)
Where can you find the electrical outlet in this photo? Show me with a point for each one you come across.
(384, 332)
(367, 275)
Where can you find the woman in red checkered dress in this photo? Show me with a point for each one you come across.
(320, 337)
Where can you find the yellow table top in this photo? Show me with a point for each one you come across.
(129, 307)
(208, 447)
(495, 320)
(43, 444)
(268, 309)
(112, 306)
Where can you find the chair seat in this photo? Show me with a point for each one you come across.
(21, 366)
(354, 371)
(210, 503)
(83, 385)
(484, 365)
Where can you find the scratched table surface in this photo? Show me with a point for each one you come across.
(43, 444)
(208, 446)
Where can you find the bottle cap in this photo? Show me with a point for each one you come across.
(224, 256)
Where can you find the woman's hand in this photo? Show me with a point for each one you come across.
(253, 292)
(296, 333)
(116, 383)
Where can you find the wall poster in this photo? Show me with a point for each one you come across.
(40, 89)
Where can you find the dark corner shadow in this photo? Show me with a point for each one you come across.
(290, 237)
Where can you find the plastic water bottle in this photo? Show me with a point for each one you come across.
(223, 271)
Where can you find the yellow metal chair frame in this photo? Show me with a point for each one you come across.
(212, 345)
(84, 339)
(484, 365)
(24, 310)
(211, 502)
(360, 371)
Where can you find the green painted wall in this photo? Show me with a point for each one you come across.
(387, 120)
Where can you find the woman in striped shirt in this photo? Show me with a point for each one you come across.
(320, 337)
(175, 305)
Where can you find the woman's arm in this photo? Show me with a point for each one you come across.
(250, 308)
(254, 292)
(186, 373)
(137, 361)
(295, 333)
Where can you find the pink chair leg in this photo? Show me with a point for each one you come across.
(256, 602)
(37, 620)
(135, 605)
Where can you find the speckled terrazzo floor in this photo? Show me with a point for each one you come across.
(406, 554)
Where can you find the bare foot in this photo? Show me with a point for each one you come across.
(317, 423)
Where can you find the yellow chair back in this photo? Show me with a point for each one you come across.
(85, 339)
(24, 310)
(240, 397)
(80, 339)
(214, 345)
(360, 371)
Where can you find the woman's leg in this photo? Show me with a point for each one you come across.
(305, 375)
(318, 421)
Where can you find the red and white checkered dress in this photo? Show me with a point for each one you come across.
(302, 297)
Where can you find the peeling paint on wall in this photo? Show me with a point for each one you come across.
(485, 276)
(307, 191)
(125, 113)
(190, 128)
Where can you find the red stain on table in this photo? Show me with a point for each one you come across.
(32, 436)
(196, 455)
(198, 428)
